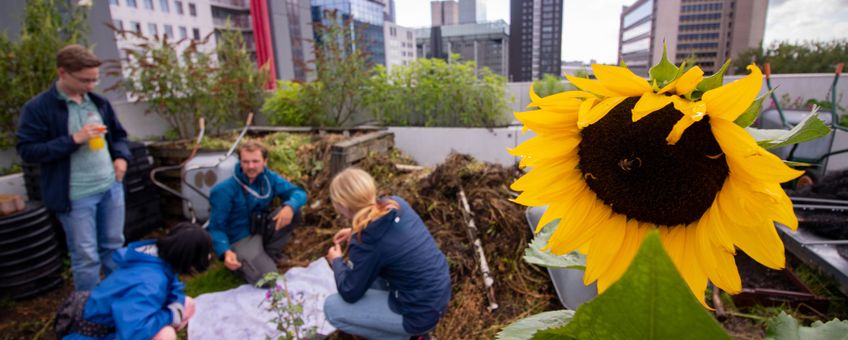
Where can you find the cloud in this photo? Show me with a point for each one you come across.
(799, 20)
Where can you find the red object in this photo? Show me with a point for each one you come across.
(262, 38)
(768, 70)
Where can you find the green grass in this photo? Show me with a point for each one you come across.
(217, 278)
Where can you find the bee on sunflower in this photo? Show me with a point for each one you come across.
(624, 155)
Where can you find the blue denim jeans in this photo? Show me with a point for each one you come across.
(94, 228)
(369, 317)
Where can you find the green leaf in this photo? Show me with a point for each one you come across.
(525, 328)
(797, 164)
(809, 129)
(650, 301)
(750, 115)
(535, 255)
(664, 72)
(714, 80)
(785, 327)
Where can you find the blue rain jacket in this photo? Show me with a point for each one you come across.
(398, 248)
(231, 205)
(134, 298)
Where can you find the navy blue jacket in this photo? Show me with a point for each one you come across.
(43, 137)
(135, 298)
(231, 205)
(398, 248)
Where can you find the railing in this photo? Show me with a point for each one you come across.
(232, 3)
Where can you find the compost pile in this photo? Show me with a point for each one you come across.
(520, 289)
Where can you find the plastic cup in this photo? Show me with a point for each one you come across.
(97, 143)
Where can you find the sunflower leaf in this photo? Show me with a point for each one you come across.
(812, 127)
(714, 80)
(535, 255)
(785, 327)
(525, 328)
(750, 115)
(650, 301)
(664, 72)
(797, 164)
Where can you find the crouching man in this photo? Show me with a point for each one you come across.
(246, 233)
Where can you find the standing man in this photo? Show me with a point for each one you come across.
(245, 233)
(82, 148)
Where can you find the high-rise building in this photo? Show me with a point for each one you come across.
(535, 39)
(291, 32)
(367, 17)
(472, 11)
(400, 45)
(485, 43)
(444, 13)
(709, 31)
(238, 14)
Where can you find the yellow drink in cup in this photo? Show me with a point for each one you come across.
(97, 143)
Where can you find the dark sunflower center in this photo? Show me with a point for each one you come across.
(631, 167)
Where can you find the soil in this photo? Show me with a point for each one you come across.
(755, 275)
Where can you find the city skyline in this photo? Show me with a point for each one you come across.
(786, 20)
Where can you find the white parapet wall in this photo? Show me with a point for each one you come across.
(430, 146)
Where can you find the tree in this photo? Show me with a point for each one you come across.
(28, 65)
(342, 70)
(806, 57)
(550, 84)
(239, 84)
(433, 92)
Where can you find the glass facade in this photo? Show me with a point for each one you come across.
(367, 18)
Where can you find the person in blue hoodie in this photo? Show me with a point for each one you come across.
(397, 283)
(246, 234)
(143, 298)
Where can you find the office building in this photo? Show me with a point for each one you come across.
(400, 45)
(444, 13)
(485, 43)
(367, 17)
(472, 11)
(535, 39)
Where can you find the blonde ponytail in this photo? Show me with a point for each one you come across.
(355, 190)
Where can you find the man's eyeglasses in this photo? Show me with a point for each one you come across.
(84, 80)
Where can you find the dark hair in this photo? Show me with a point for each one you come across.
(186, 248)
(74, 58)
(253, 145)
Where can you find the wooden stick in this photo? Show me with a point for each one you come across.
(409, 168)
(488, 280)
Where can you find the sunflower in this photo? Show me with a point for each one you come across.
(622, 155)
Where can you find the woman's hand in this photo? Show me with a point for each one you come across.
(334, 252)
(342, 236)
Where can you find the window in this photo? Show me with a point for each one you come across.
(148, 4)
(169, 31)
(135, 26)
(118, 24)
(131, 3)
(179, 6)
(183, 32)
(163, 6)
(114, 2)
(192, 9)
(196, 33)
(152, 29)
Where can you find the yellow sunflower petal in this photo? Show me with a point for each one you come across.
(747, 159)
(689, 80)
(621, 80)
(634, 234)
(729, 101)
(760, 240)
(598, 111)
(592, 86)
(579, 225)
(692, 271)
(555, 99)
(583, 113)
(540, 146)
(694, 110)
(547, 121)
(605, 247)
(649, 102)
(534, 98)
(677, 131)
(716, 261)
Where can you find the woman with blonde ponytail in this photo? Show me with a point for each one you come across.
(396, 283)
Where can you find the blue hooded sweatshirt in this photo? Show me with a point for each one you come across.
(398, 248)
(139, 298)
(231, 204)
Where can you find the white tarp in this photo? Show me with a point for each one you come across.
(237, 314)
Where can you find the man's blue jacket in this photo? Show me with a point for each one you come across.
(398, 248)
(135, 298)
(231, 204)
(43, 137)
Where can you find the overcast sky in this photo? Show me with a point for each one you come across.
(590, 28)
